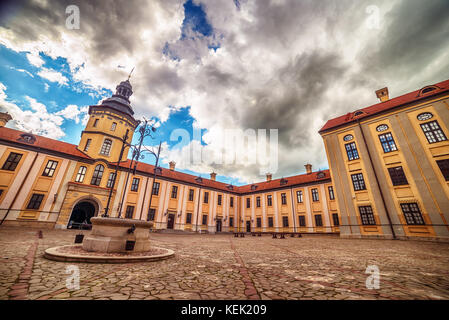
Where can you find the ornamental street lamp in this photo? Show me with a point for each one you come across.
(137, 153)
(145, 131)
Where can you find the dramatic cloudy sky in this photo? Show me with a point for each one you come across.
(212, 65)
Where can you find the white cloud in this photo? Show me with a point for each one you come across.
(35, 59)
(53, 76)
(38, 120)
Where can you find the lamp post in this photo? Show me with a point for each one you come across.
(137, 153)
(124, 144)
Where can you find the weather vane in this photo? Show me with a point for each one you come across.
(131, 73)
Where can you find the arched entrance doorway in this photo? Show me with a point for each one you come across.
(81, 214)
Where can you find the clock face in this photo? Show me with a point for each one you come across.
(348, 137)
(381, 128)
(424, 116)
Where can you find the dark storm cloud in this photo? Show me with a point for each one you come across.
(303, 81)
(110, 26)
(415, 34)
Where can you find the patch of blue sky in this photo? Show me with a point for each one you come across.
(21, 79)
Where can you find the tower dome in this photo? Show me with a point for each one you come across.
(120, 100)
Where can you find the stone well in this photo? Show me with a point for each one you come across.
(111, 234)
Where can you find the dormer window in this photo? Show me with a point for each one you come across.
(158, 170)
(199, 180)
(427, 90)
(27, 137)
(320, 175)
(230, 187)
(283, 181)
(253, 187)
(358, 113)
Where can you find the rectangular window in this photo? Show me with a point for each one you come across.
(318, 220)
(299, 196)
(95, 123)
(397, 176)
(258, 202)
(129, 212)
(81, 174)
(219, 200)
(412, 213)
(433, 132)
(204, 219)
(191, 194)
(444, 167)
(1, 192)
(189, 218)
(331, 193)
(283, 198)
(106, 147)
(351, 151)
(231, 202)
(358, 182)
(302, 221)
(50, 168)
(367, 215)
(231, 221)
(135, 184)
(206, 197)
(88, 142)
(335, 219)
(113, 126)
(12, 161)
(269, 200)
(110, 180)
(151, 214)
(248, 203)
(156, 187)
(259, 222)
(174, 192)
(270, 222)
(387, 142)
(35, 201)
(315, 196)
(285, 222)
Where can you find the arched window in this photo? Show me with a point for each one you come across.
(81, 173)
(106, 147)
(98, 174)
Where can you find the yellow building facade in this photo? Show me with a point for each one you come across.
(389, 164)
(51, 184)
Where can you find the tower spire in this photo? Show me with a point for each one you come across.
(129, 76)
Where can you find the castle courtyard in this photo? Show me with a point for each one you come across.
(224, 267)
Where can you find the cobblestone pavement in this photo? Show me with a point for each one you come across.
(224, 267)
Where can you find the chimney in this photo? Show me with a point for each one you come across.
(212, 176)
(382, 94)
(4, 118)
(269, 176)
(172, 165)
(308, 168)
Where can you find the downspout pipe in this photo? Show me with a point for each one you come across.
(198, 209)
(377, 181)
(293, 210)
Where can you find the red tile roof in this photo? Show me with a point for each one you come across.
(387, 105)
(12, 135)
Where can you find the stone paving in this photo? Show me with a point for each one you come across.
(223, 267)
